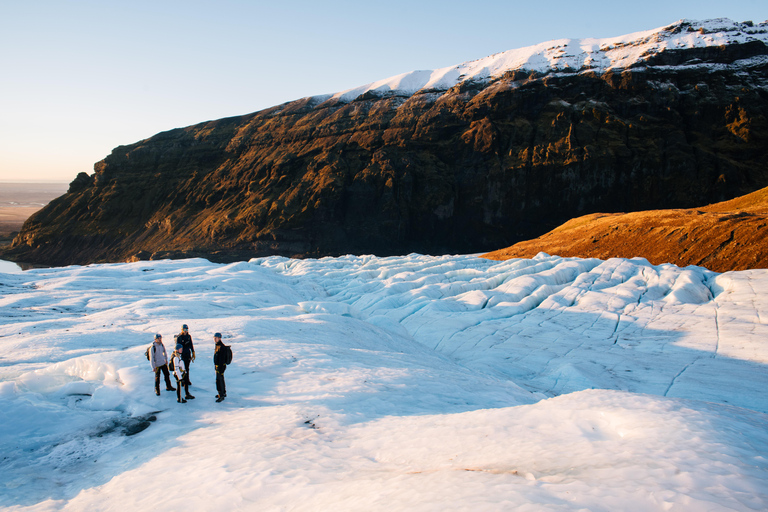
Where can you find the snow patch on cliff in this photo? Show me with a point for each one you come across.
(572, 56)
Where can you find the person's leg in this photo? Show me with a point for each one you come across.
(179, 383)
(157, 381)
(220, 386)
(168, 385)
(187, 396)
(187, 362)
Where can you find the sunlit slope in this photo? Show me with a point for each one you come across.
(725, 236)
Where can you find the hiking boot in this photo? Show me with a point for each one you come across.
(219, 398)
(157, 392)
(170, 389)
(189, 397)
(182, 401)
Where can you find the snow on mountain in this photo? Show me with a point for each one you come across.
(402, 383)
(572, 56)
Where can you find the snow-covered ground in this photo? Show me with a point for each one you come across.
(402, 383)
(574, 56)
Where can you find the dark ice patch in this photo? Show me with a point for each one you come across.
(126, 426)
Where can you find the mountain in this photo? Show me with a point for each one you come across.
(461, 159)
(726, 236)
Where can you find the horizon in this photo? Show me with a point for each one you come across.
(33, 181)
(87, 78)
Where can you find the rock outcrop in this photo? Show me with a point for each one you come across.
(725, 236)
(486, 163)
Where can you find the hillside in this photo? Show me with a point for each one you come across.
(458, 160)
(725, 236)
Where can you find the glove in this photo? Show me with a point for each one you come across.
(193, 356)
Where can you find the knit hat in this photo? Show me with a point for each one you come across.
(217, 335)
(184, 326)
(179, 346)
(157, 336)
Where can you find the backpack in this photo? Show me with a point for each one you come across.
(146, 352)
(171, 366)
(227, 354)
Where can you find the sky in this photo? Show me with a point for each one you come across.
(79, 78)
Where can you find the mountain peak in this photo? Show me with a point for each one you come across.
(665, 119)
(568, 56)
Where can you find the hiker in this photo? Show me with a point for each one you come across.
(180, 372)
(220, 361)
(188, 354)
(158, 359)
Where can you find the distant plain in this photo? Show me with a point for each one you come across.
(18, 201)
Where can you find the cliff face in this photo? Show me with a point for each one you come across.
(478, 166)
(725, 236)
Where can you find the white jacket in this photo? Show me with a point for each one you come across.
(157, 355)
(179, 368)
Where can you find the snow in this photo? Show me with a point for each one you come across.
(401, 383)
(572, 56)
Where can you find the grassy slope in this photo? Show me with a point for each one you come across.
(724, 236)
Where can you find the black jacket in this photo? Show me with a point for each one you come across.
(218, 355)
(186, 342)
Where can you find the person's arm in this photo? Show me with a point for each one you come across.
(178, 364)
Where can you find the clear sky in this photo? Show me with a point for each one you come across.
(78, 78)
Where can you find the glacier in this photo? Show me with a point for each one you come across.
(408, 383)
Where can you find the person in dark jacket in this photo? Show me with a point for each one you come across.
(158, 360)
(188, 353)
(220, 364)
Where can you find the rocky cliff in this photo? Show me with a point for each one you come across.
(471, 158)
(725, 236)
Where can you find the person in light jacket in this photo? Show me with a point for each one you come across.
(180, 372)
(158, 360)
